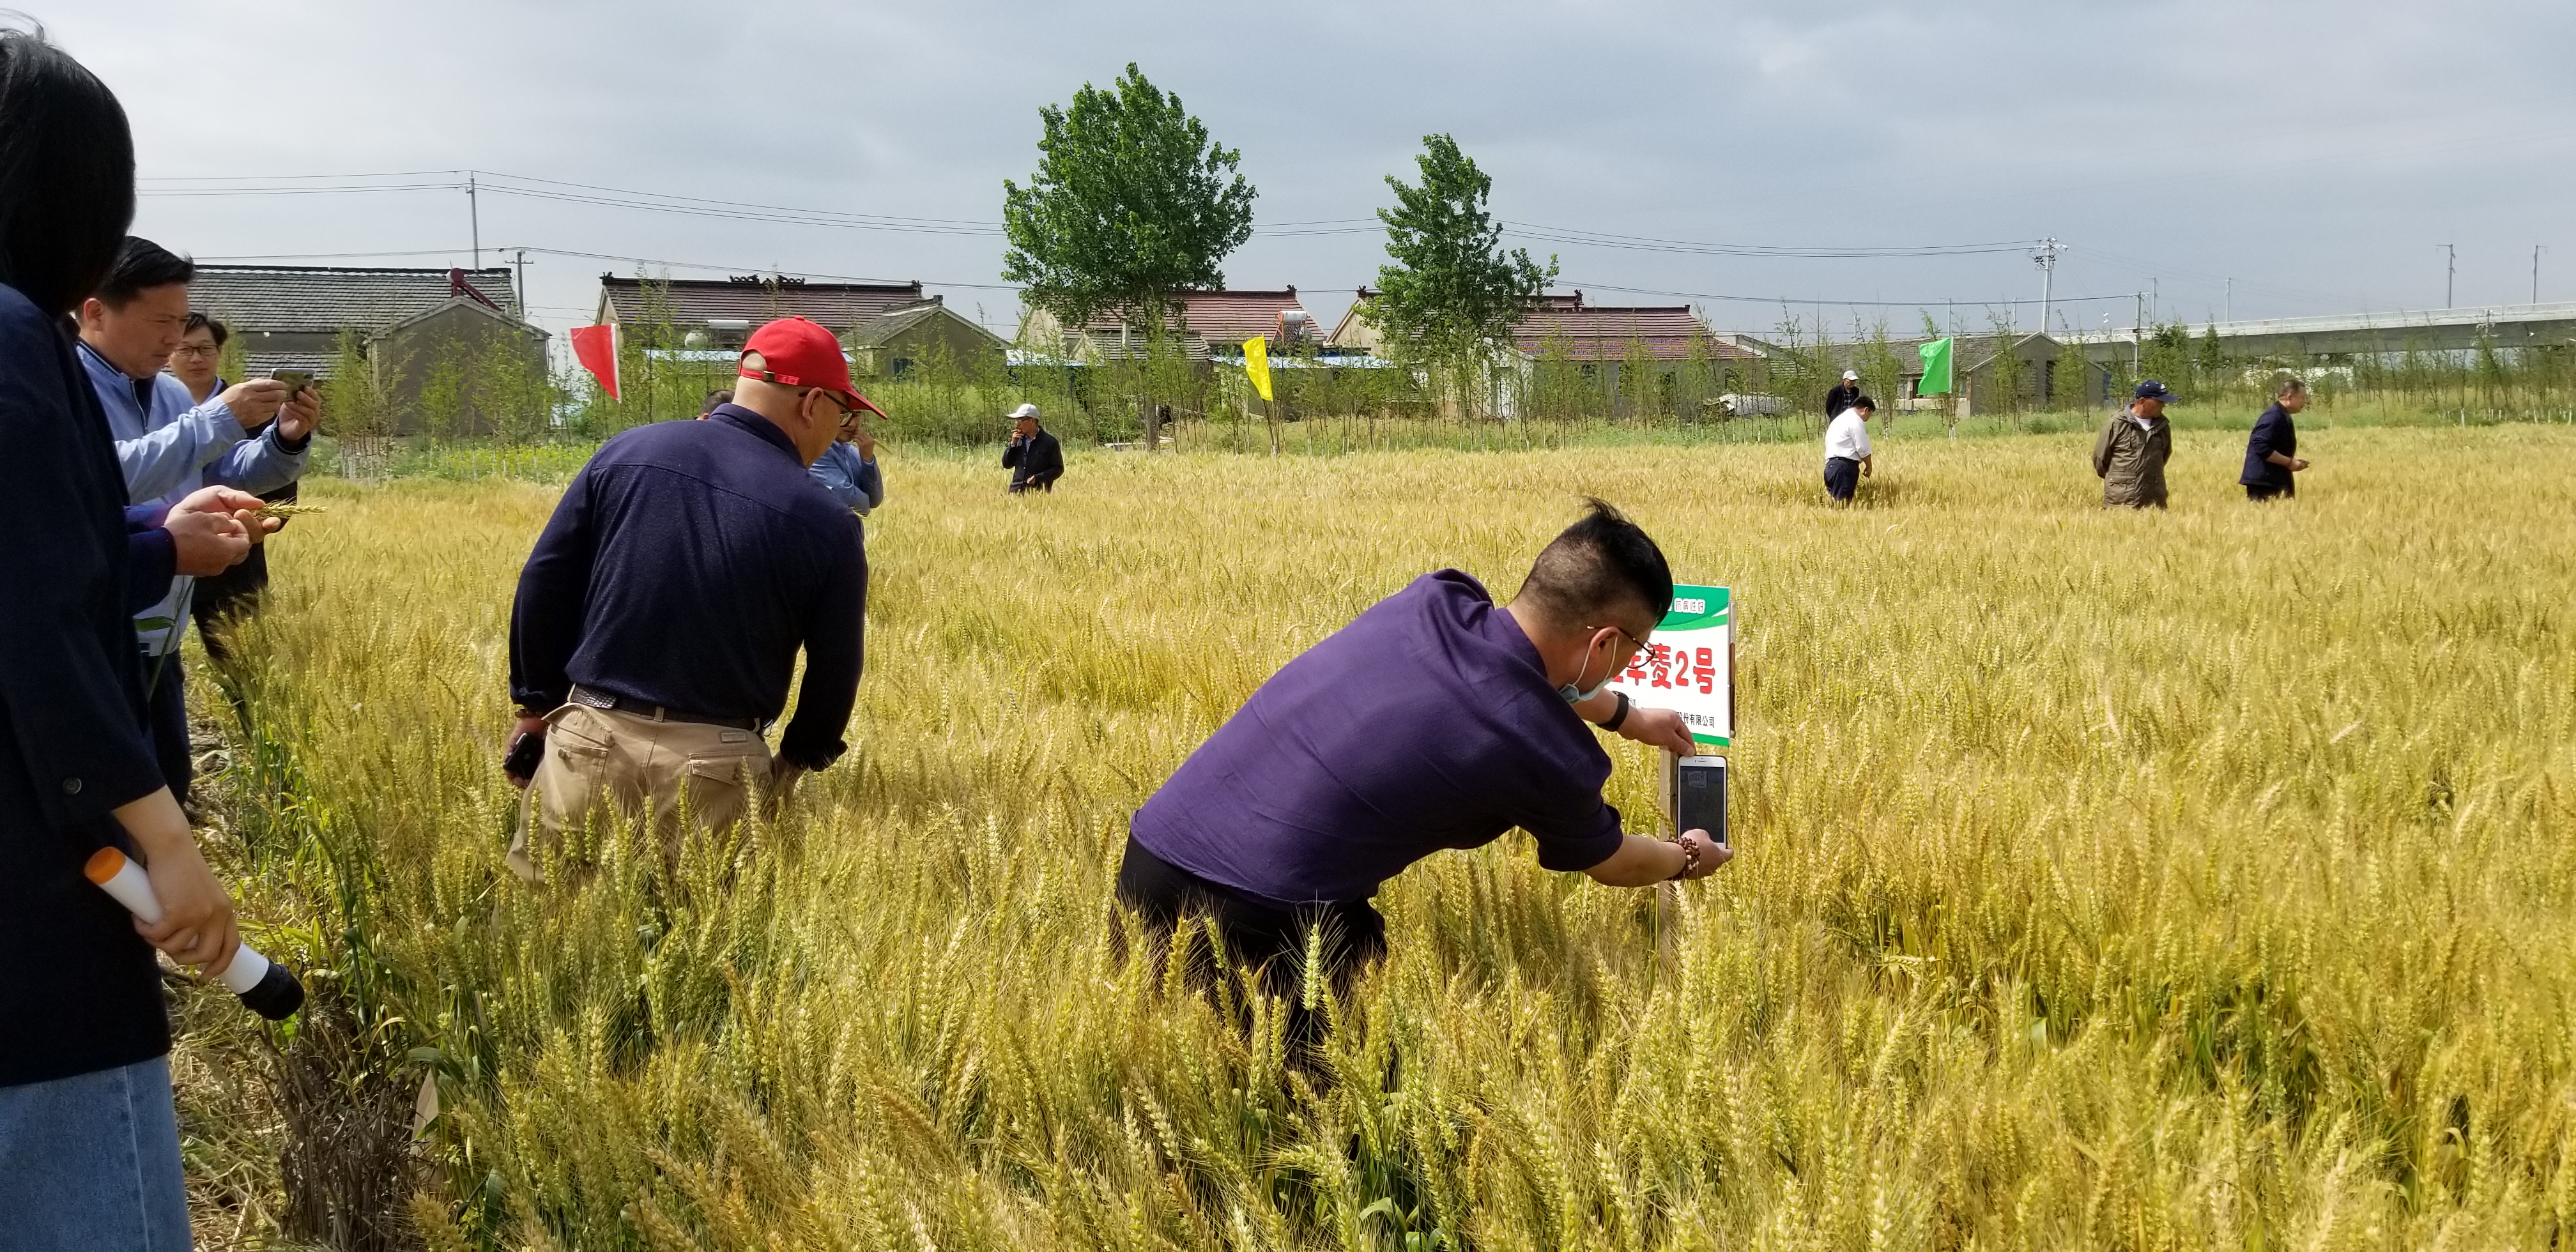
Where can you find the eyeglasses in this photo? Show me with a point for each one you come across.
(193, 350)
(847, 409)
(1641, 644)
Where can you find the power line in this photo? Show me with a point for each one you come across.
(565, 191)
(300, 191)
(1565, 234)
(722, 268)
(1886, 304)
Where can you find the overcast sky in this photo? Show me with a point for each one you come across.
(2320, 154)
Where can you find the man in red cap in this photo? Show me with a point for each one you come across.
(658, 620)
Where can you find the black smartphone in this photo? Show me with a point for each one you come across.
(525, 752)
(1699, 796)
(295, 380)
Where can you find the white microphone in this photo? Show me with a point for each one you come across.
(262, 984)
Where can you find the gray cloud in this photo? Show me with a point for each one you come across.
(2317, 153)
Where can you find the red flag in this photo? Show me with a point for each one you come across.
(596, 348)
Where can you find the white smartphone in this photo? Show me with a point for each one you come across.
(1695, 795)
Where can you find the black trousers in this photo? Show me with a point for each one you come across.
(1842, 477)
(1263, 941)
(2262, 491)
(169, 715)
(232, 594)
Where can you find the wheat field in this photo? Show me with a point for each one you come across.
(2181, 880)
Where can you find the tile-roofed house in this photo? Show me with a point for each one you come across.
(1223, 319)
(1585, 331)
(323, 299)
(895, 343)
(404, 323)
(722, 312)
(1599, 332)
(1595, 345)
(1982, 381)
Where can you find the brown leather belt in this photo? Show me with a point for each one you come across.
(610, 700)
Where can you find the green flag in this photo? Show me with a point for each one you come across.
(1936, 369)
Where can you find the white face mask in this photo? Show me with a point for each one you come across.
(1574, 694)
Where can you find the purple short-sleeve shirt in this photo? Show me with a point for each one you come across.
(1427, 723)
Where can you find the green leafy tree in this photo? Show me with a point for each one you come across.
(2210, 364)
(1452, 294)
(2068, 390)
(1882, 372)
(353, 406)
(2166, 356)
(1131, 203)
(2007, 377)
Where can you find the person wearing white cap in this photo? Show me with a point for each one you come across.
(1841, 397)
(1034, 457)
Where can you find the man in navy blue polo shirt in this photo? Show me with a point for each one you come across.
(1435, 720)
(657, 622)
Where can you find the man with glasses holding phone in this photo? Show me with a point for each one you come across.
(848, 468)
(235, 593)
(658, 620)
(252, 436)
(1435, 720)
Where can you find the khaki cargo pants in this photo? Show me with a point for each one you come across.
(603, 762)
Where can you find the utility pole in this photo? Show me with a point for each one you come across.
(474, 214)
(2231, 299)
(2450, 275)
(2138, 334)
(2536, 250)
(523, 284)
(2156, 298)
(2046, 259)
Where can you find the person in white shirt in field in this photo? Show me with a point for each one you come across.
(1847, 457)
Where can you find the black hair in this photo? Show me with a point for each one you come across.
(66, 174)
(1600, 564)
(199, 321)
(721, 395)
(1865, 402)
(142, 265)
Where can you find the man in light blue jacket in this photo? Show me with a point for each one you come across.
(169, 445)
(848, 469)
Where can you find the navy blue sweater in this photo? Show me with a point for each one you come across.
(683, 568)
(79, 990)
(2275, 431)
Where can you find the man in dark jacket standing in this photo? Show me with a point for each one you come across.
(657, 623)
(2272, 454)
(2131, 452)
(1034, 457)
(1841, 397)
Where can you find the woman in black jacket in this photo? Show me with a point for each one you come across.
(89, 1151)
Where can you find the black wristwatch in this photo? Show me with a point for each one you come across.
(1612, 722)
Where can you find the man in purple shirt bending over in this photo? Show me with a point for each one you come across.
(1436, 720)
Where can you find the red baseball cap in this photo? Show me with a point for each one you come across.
(799, 353)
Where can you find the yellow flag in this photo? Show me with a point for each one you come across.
(1256, 365)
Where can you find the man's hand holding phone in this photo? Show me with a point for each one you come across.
(1712, 854)
(254, 401)
(303, 408)
(527, 749)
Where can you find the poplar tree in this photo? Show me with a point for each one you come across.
(1131, 204)
(1453, 294)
